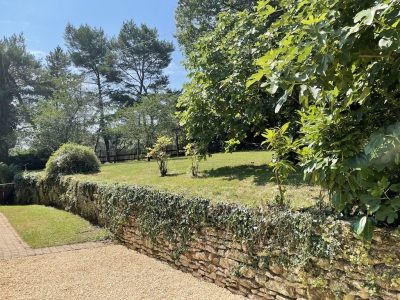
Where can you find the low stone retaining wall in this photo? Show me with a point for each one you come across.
(359, 271)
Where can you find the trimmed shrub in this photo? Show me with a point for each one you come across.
(7, 172)
(29, 160)
(71, 159)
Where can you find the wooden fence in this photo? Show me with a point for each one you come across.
(6, 193)
(130, 154)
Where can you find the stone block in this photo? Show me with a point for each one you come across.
(280, 288)
(248, 283)
(247, 272)
(201, 256)
(227, 263)
(261, 279)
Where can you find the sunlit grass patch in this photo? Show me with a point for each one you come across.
(41, 226)
(240, 177)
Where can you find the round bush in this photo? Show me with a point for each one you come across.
(72, 159)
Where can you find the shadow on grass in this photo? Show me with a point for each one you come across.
(262, 174)
(174, 174)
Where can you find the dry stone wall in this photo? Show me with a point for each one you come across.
(359, 271)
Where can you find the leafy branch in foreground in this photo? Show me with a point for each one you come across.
(282, 145)
(342, 59)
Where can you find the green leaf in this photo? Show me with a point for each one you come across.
(340, 199)
(386, 213)
(370, 200)
(360, 225)
(368, 230)
(285, 127)
(254, 78)
(367, 15)
(395, 203)
(376, 140)
(353, 183)
(280, 102)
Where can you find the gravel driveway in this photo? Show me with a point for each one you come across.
(111, 272)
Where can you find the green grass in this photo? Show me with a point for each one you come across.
(240, 177)
(42, 226)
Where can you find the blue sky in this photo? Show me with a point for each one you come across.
(43, 22)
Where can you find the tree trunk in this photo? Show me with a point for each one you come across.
(177, 144)
(102, 119)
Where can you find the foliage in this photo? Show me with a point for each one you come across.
(72, 158)
(139, 57)
(195, 19)
(88, 48)
(282, 145)
(192, 151)
(147, 120)
(29, 160)
(23, 72)
(159, 152)
(58, 63)
(217, 102)
(8, 172)
(342, 58)
(7, 114)
(64, 118)
(44, 226)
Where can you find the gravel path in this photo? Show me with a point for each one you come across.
(111, 272)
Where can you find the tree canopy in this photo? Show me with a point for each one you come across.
(343, 59)
(195, 19)
(140, 57)
(217, 94)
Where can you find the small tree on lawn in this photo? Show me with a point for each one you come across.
(192, 151)
(159, 152)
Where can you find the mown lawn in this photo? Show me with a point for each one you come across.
(240, 177)
(42, 226)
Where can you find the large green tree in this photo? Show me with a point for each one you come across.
(195, 19)
(65, 117)
(140, 57)
(23, 83)
(7, 114)
(152, 117)
(217, 102)
(22, 70)
(58, 63)
(88, 48)
(343, 58)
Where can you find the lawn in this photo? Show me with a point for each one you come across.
(240, 177)
(42, 226)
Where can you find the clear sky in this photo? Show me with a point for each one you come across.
(43, 22)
